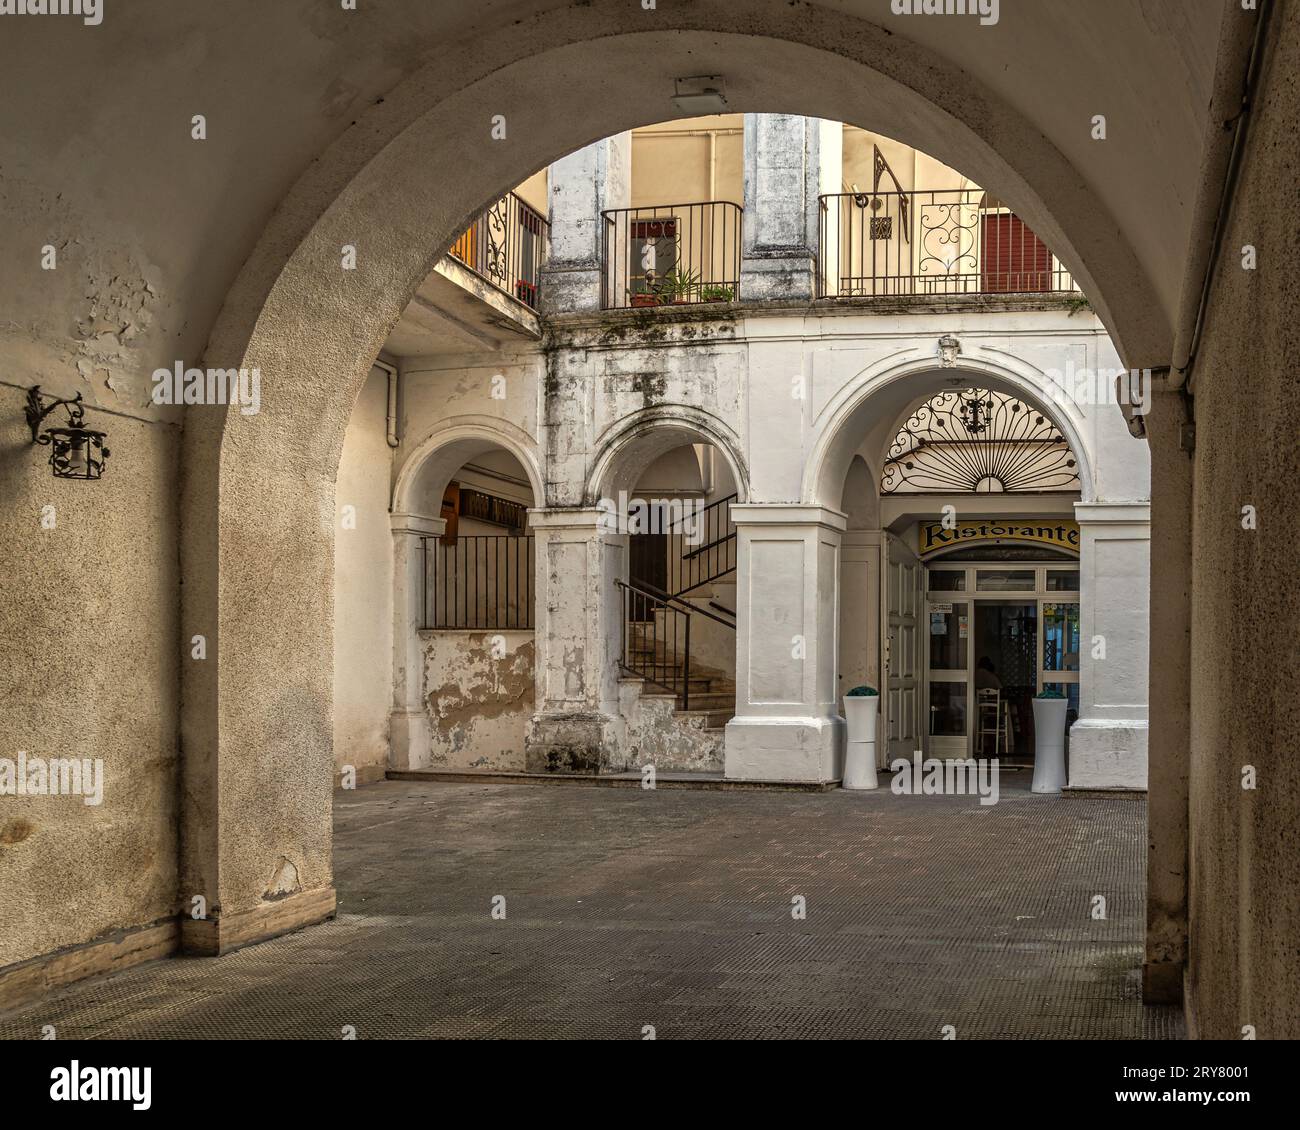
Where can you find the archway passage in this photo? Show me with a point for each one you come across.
(259, 510)
(974, 565)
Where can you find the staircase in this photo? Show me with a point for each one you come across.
(675, 694)
(702, 696)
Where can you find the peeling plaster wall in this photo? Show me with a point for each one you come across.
(654, 734)
(363, 589)
(89, 658)
(1245, 844)
(479, 690)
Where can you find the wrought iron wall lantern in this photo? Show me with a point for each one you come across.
(76, 451)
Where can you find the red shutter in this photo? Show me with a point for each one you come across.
(1014, 259)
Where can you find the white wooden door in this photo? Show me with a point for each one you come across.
(902, 661)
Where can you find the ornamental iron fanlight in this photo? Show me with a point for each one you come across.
(976, 441)
(76, 451)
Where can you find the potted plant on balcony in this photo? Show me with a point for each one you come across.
(716, 293)
(1049, 741)
(678, 286)
(861, 710)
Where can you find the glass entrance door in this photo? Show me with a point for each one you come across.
(948, 633)
(1005, 677)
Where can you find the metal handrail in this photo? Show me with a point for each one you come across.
(645, 588)
(675, 660)
(710, 545)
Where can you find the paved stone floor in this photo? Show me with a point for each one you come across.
(626, 908)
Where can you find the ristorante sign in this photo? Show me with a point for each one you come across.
(1055, 532)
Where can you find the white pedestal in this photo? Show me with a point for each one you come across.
(861, 714)
(1049, 744)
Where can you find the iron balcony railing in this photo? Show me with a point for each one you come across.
(478, 581)
(960, 241)
(656, 639)
(671, 254)
(507, 245)
(703, 547)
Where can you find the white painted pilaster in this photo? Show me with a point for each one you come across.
(787, 727)
(576, 724)
(1108, 742)
(409, 736)
(789, 161)
(582, 185)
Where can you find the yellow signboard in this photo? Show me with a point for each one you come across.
(1055, 532)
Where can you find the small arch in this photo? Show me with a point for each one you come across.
(448, 447)
(644, 436)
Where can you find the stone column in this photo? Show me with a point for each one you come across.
(582, 185)
(789, 161)
(576, 726)
(409, 736)
(1108, 742)
(787, 727)
(1170, 689)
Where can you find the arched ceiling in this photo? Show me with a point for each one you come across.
(96, 154)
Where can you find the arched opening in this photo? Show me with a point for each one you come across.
(294, 314)
(973, 572)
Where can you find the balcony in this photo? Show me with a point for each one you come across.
(506, 246)
(962, 241)
(671, 255)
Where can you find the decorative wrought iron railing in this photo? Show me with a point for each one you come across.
(703, 547)
(981, 442)
(507, 245)
(656, 639)
(671, 254)
(959, 241)
(478, 581)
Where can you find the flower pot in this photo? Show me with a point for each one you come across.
(1049, 745)
(861, 713)
(645, 300)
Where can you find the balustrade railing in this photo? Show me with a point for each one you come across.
(960, 241)
(478, 581)
(507, 245)
(671, 254)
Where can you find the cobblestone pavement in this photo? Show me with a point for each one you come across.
(675, 909)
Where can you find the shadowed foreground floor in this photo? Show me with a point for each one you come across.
(626, 908)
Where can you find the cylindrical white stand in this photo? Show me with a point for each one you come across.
(861, 713)
(1049, 745)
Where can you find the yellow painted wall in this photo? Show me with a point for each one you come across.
(690, 160)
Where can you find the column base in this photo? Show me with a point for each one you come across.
(1108, 754)
(570, 290)
(1162, 982)
(410, 741)
(784, 749)
(778, 277)
(211, 937)
(577, 742)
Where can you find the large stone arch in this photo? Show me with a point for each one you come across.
(257, 541)
(878, 397)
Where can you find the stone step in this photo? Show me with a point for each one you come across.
(713, 720)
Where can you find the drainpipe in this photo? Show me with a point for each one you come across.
(392, 400)
(1230, 106)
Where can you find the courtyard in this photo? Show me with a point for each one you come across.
(491, 910)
